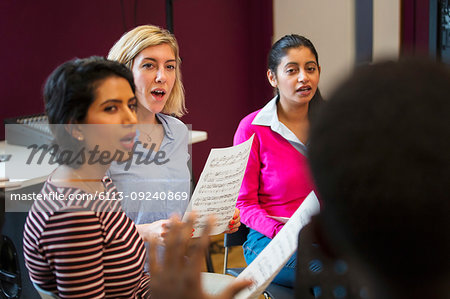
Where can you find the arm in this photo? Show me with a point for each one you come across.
(252, 214)
(73, 245)
(154, 230)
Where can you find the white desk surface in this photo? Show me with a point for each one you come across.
(22, 175)
(198, 136)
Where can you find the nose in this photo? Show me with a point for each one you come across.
(129, 117)
(160, 75)
(302, 76)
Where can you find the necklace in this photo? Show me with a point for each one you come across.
(79, 181)
(148, 136)
(85, 183)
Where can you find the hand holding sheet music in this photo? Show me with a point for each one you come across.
(218, 187)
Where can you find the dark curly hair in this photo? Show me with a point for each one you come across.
(379, 153)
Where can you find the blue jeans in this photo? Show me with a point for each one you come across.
(255, 243)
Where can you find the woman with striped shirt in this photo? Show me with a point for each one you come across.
(78, 243)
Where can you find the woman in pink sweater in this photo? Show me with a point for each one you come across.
(277, 178)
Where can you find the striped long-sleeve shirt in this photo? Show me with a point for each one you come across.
(84, 248)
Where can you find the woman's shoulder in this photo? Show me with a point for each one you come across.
(246, 128)
(56, 186)
(170, 120)
(176, 126)
(246, 124)
(53, 198)
(247, 120)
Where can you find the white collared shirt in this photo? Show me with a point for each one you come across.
(268, 116)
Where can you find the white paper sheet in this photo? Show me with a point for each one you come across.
(269, 262)
(218, 187)
(279, 219)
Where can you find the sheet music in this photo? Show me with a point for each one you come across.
(270, 261)
(218, 187)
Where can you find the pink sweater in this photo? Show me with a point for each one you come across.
(276, 181)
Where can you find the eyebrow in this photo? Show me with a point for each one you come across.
(117, 101)
(153, 59)
(295, 63)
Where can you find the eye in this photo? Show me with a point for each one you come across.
(147, 65)
(111, 108)
(171, 67)
(133, 106)
(291, 70)
(311, 69)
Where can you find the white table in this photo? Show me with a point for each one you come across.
(198, 136)
(22, 175)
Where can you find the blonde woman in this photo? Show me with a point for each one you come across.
(157, 182)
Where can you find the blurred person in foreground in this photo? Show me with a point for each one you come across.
(379, 153)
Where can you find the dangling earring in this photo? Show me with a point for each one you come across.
(80, 137)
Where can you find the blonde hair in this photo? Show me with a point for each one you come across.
(141, 37)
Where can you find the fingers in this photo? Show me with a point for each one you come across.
(165, 233)
(165, 229)
(173, 278)
(154, 229)
(237, 213)
(236, 216)
(175, 242)
(230, 231)
(165, 224)
(209, 224)
(179, 274)
(234, 288)
(199, 246)
(234, 223)
(152, 256)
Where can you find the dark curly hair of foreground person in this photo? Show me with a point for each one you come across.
(379, 152)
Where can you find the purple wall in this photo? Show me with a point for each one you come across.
(224, 44)
(415, 27)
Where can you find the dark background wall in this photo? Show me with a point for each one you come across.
(415, 27)
(224, 44)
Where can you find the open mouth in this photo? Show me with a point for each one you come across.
(304, 91)
(158, 93)
(128, 140)
(304, 88)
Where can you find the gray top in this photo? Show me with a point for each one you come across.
(153, 192)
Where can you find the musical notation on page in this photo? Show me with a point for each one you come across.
(218, 187)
